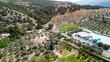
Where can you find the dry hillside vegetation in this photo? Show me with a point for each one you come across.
(79, 15)
(23, 3)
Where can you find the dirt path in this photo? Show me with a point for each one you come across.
(59, 55)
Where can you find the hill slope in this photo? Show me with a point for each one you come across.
(79, 15)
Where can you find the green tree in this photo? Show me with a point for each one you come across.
(100, 44)
(106, 47)
(39, 26)
(49, 57)
(16, 32)
(50, 26)
(1, 54)
(4, 42)
(30, 27)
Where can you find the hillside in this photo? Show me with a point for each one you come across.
(9, 17)
(53, 31)
(42, 2)
(79, 15)
(94, 20)
(23, 0)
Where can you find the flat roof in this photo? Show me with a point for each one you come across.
(103, 39)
